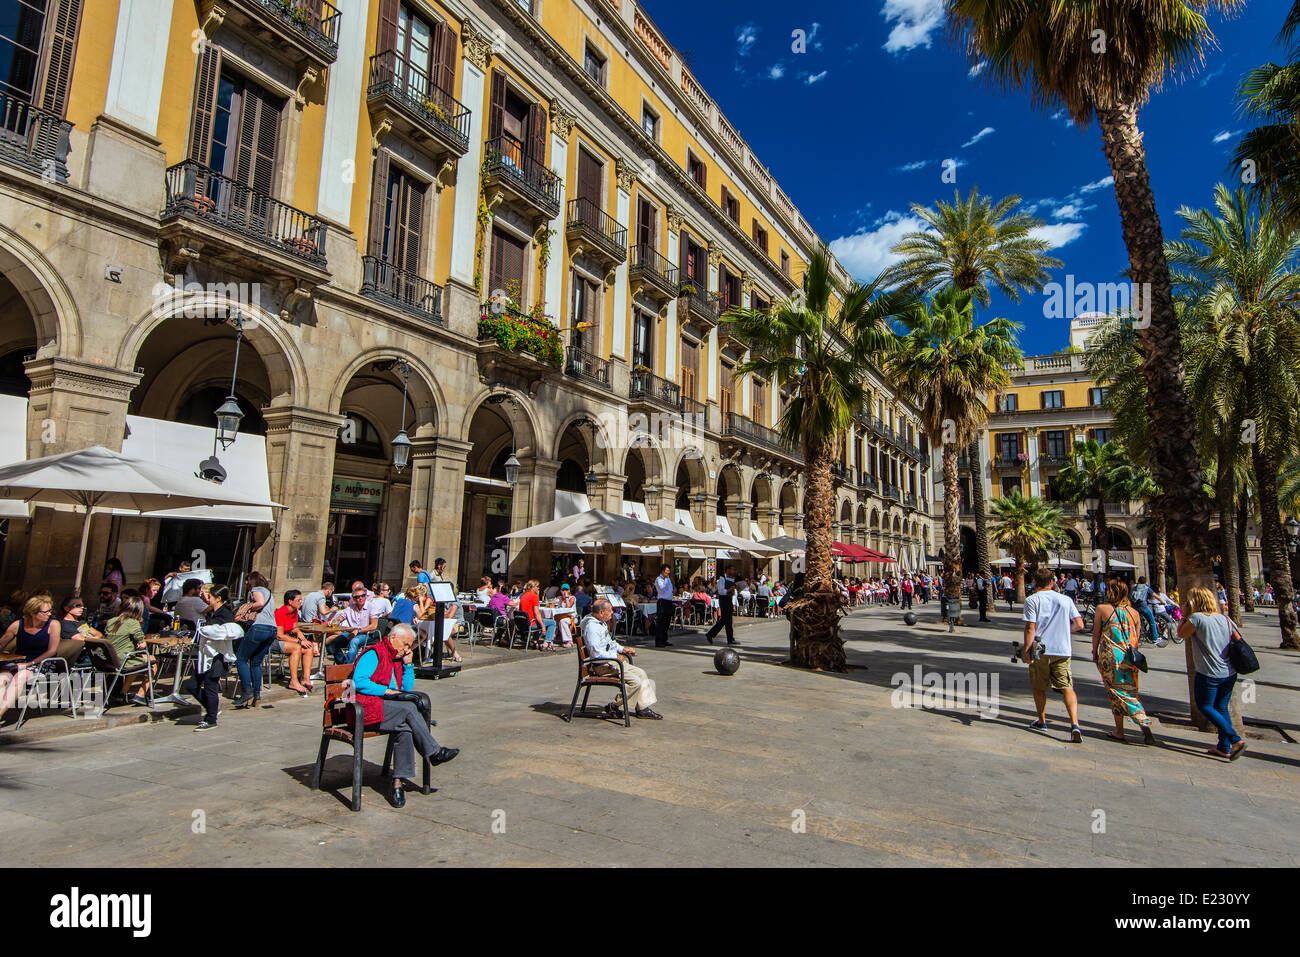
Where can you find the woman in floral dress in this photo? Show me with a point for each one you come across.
(1115, 631)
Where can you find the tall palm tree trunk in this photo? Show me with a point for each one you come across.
(1103, 540)
(1020, 579)
(1274, 544)
(1243, 557)
(1172, 435)
(977, 505)
(1158, 532)
(1224, 486)
(951, 535)
(814, 618)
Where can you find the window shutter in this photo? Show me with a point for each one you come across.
(411, 228)
(497, 109)
(590, 173)
(726, 200)
(378, 204)
(258, 131)
(444, 46)
(62, 49)
(495, 281)
(206, 74)
(386, 37)
(537, 133)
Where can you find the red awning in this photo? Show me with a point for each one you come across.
(874, 556)
(850, 552)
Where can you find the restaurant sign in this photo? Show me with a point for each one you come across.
(350, 491)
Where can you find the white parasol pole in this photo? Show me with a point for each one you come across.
(81, 559)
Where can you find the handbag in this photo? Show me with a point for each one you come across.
(1134, 654)
(1240, 655)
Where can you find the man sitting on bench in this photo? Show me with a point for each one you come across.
(601, 644)
(385, 668)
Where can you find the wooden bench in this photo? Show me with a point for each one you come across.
(343, 720)
(587, 680)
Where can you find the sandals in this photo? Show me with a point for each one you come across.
(1116, 737)
(548, 646)
(1236, 750)
(457, 657)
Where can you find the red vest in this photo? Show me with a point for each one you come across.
(372, 705)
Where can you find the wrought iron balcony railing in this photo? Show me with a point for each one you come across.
(384, 282)
(650, 387)
(436, 111)
(740, 427)
(505, 157)
(647, 262)
(588, 366)
(315, 22)
(586, 218)
(1011, 460)
(869, 482)
(34, 139)
(197, 193)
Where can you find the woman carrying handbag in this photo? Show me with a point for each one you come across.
(1115, 630)
(1212, 636)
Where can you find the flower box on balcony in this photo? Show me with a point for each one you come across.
(522, 333)
(301, 245)
(204, 205)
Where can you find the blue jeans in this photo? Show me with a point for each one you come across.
(1212, 697)
(1149, 617)
(249, 656)
(549, 625)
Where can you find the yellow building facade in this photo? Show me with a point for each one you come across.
(503, 229)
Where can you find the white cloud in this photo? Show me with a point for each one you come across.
(1225, 135)
(816, 77)
(1104, 183)
(977, 69)
(1069, 211)
(866, 252)
(1058, 234)
(914, 21)
(977, 137)
(1062, 117)
(777, 71)
(812, 37)
(909, 167)
(1217, 73)
(746, 37)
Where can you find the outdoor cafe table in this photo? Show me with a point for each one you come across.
(320, 631)
(6, 659)
(158, 644)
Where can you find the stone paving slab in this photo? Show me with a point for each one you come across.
(727, 778)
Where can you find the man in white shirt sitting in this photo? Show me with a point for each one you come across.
(1051, 617)
(601, 644)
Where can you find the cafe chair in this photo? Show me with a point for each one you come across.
(50, 667)
(524, 629)
(343, 721)
(105, 660)
(700, 612)
(587, 681)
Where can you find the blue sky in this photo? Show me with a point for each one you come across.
(856, 128)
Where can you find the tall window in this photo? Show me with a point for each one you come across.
(690, 368)
(730, 205)
(758, 401)
(643, 329)
(586, 310)
(245, 132)
(507, 262)
(518, 127)
(594, 64)
(591, 174)
(650, 122)
(785, 263)
(760, 236)
(1009, 445)
(694, 264)
(22, 23)
(1054, 444)
(647, 223)
(1054, 399)
(416, 53)
(403, 221)
(696, 169)
(1097, 396)
(727, 388)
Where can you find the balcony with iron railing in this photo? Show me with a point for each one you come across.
(384, 282)
(202, 205)
(646, 387)
(740, 430)
(651, 274)
(1010, 460)
(520, 177)
(869, 482)
(893, 492)
(699, 306)
(1053, 459)
(306, 29)
(33, 139)
(424, 112)
(911, 501)
(586, 366)
(595, 234)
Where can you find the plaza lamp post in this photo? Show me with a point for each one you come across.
(228, 416)
(511, 463)
(1092, 505)
(1292, 528)
(401, 443)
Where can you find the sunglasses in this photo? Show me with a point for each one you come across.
(74, 607)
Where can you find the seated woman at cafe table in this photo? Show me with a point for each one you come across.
(126, 633)
(404, 607)
(300, 649)
(156, 618)
(37, 635)
(528, 603)
(382, 670)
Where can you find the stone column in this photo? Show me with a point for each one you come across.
(562, 120)
(534, 503)
(608, 495)
(446, 471)
(72, 405)
(300, 445)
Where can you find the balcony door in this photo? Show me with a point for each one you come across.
(690, 368)
(585, 312)
(647, 225)
(643, 332)
(727, 389)
(416, 53)
(38, 40)
(758, 401)
(591, 174)
(516, 126)
(694, 264)
(507, 273)
(397, 229)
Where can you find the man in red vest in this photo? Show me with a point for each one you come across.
(385, 669)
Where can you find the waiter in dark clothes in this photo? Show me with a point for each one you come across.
(725, 585)
(982, 595)
(664, 607)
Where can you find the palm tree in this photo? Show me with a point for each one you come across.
(1099, 471)
(824, 359)
(1025, 527)
(1270, 94)
(946, 364)
(972, 244)
(1101, 59)
(1238, 265)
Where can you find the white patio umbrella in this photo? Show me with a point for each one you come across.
(598, 527)
(786, 545)
(1056, 561)
(98, 479)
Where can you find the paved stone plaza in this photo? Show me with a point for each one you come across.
(724, 780)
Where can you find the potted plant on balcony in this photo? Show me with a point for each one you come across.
(302, 245)
(687, 289)
(502, 319)
(436, 109)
